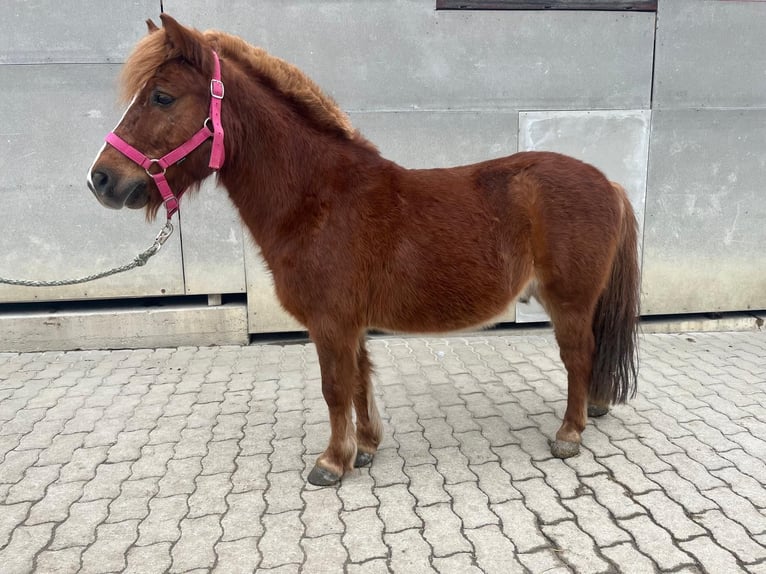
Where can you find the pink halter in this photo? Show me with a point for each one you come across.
(216, 153)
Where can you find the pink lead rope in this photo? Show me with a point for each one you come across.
(217, 154)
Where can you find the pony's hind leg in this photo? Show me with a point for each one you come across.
(368, 426)
(338, 365)
(576, 344)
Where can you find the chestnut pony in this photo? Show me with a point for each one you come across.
(356, 242)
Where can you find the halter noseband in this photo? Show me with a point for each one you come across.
(178, 154)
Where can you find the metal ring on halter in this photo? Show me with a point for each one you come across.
(157, 163)
(208, 123)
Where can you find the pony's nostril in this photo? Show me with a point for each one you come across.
(100, 180)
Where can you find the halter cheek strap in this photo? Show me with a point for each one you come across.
(217, 154)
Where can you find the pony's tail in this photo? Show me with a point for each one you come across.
(615, 324)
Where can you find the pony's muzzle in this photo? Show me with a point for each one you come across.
(111, 192)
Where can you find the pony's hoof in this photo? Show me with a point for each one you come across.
(564, 449)
(322, 477)
(596, 411)
(362, 459)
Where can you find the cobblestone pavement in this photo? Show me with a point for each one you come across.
(195, 459)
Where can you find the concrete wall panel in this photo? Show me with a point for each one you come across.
(75, 31)
(403, 54)
(213, 247)
(710, 54)
(52, 123)
(616, 142)
(705, 237)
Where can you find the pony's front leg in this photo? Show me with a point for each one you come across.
(369, 429)
(337, 362)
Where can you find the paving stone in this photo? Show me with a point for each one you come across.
(250, 473)
(452, 465)
(595, 520)
(494, 482)
(64, 561)
(284, 492)
(387, 468)
(107, 553)
(443, 529)
(630, 475)
(669, 514)
(237, 556)
(739, 509)
(287, 454)
(560, 477)
(162, 524)
(152, 559)
(32, 487)
(396, 508)
(628, 560)
(10, 518)
(153, 461)
(106, 483)
(575, 547)
(180, 476)
(196, 546)
(40, 437)
(712, 557)
(209, 496)
(80, 526)
(409, 552)
(494, 552)
(61, 449)
(655, 542)
(732, 536)
(517, 463)
(682, 491)
(520, 525)
(460, 563)
(364, 535)
(542, 500)
(426, 484)
(25, 543)
(544, 561)
(23, 421)
(471, 505)
(743, 485)
(243, 516)
(280, 543)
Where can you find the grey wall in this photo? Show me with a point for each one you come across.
(672, 105)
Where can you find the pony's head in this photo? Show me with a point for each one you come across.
(167, 82)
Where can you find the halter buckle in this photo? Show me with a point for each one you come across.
(216, 89)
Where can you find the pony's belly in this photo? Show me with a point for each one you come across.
(443, 314)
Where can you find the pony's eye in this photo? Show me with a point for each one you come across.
(161, 99)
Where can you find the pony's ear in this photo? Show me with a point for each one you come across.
(189, 43)
(151, 26)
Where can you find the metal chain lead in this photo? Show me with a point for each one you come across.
(139, 261)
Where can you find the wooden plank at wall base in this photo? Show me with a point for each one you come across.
(124, 328)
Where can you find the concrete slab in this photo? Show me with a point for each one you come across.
(704, 234)
(710, 55)
(121, 328)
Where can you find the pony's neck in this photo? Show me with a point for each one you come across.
(278, 165)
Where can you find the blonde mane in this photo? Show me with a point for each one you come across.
(153, 50)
